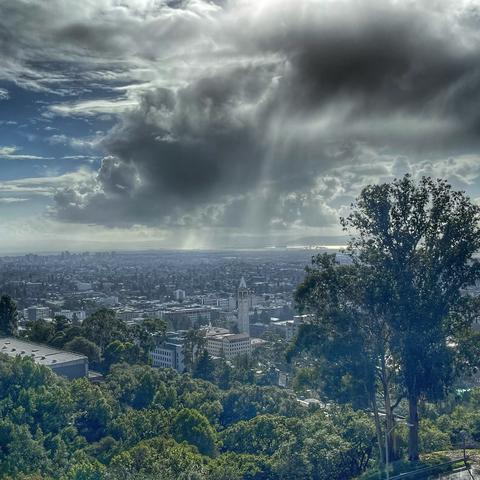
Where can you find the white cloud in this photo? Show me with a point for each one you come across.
(11, 153)
(45, 186)
(84, 143)
(90, 108)
(9, 200)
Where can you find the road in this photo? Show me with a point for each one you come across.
(474, 475)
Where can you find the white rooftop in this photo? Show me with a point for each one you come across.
(41, 354)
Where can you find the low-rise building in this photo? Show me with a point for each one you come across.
(36, 313)
(170, 353)
(67, 364)
(73, 315)
(107, 302)
(292, 326)
(83, 286)
(230, 345)
(192, 315)
(127, 314)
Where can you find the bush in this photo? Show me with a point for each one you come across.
(432, 439)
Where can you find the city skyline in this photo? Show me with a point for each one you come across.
(150, 124)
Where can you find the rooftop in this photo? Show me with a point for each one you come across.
(41, 354)
(230, 337)
(236, 337)
(213, 331)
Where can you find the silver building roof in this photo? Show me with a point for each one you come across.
(41, 354)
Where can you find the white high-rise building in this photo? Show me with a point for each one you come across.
(243, 308)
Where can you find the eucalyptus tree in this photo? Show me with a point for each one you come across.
(349, 337)
(421, 238)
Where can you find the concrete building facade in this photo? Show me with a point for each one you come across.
(36, 313)
(230, 345)
(170, 354)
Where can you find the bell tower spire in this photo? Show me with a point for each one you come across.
(243, 307)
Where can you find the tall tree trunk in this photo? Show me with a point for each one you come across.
(413, 441)
(378, 426)
(389, 418)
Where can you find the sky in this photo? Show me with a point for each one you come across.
(131, 124)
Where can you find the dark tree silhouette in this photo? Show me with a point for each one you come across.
(8, 316)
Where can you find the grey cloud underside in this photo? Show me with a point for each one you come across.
(272, 117)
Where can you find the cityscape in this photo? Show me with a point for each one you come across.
(205, 291)
(240, 240)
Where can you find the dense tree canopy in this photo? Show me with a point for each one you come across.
(146, 423)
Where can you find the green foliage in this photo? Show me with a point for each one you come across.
(40, 331)
(87, 469)
(397, 321)
(420, 238)
(192, 427)
(23, 453)
(158, 458)
(432, 439)
(204, 367)
(143, 423)
(261, 435)
(305, 379)
(155, 326)
(241, 467)
(246, 401)
(85, 347)
(103, 328)
(461, 419)
(8, 316)
(94, 407)
(103, 338)
(194, 342)
(132, 426)
(334, 445)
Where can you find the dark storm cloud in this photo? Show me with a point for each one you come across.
(250, 110)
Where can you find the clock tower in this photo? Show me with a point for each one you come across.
(243, 301)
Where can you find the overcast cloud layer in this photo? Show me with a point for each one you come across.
(244, 116)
